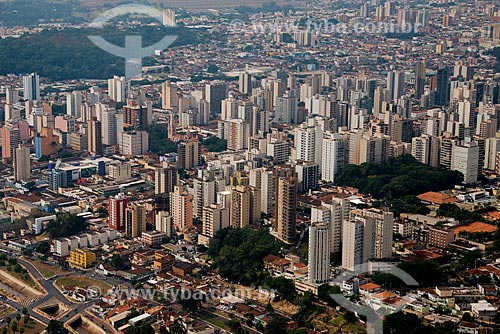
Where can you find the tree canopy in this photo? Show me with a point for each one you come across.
(56, 327)
(66, 225)
(398, 177)
(158, 142)
(69, 53)
(238, 253)
(215, 144)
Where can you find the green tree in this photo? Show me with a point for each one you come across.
(117, 261)
(56, 327)
(190, 302)
(238, 253)
(212, 68)
(178, 328)
(14, 326)
(43, 247)
(276, 325)
(426, 273)
(65, 225)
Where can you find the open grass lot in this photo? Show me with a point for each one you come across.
(217, 323)
(82, 282)
(18, 278)
(47, 270)
(32, 327)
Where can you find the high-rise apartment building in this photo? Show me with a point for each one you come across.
(181, 207)
(31, 87)
(286, 203)
(117, 88)
(136, 220)
(117, 207)
(94, 136)
(333, 156)
(466, 160)
(319, 254)
(215, 92)
(22, 163)
(189, 155)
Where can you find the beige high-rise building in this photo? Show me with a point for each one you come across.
(189, 155)
(240, 207)
(215, 218)
(181, 207)
(286, 203)
(166, 179)
(94, 136)
(135, 223)
(169, 96)
(22, 161)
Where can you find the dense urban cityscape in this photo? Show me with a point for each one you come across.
(294, 167)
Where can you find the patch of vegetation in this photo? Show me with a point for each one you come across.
(407, 204)
(426, 273)
(66, 225)
(397, 178)
(215, 144)
(453, 211)
(82, 282)
(158, 142)
(70, 54)
(238, 253)
(22, 13)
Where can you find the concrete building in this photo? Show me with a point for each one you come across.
(286, 203)
(94, 136)
(22, 164)
(465, 160)
(357, 235)
(319, 254)
(117, 88)
(189, 155)
(31, 87)
(117, 207)
(81, 259)
(214, 219)
(135, 222)
(333, 156)
(181, 205)
(134, 143)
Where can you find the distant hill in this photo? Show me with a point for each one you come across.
(69, 54)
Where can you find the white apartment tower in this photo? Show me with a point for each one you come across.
(333, 156)
(465, 160)
(117, 89)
